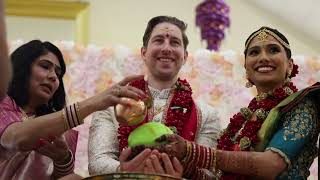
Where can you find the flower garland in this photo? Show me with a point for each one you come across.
(241, 133)
(177, 113)
(294, 71)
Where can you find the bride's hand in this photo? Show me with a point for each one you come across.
(175, 146)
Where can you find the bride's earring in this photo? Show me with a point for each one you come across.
(248, 83)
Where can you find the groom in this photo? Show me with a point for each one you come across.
(164, 52)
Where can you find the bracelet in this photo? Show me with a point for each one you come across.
(188, 153)
(189, 160)
(63, 169)
(207, 166)
(214, 165)
(216, 172)
(66, 123)
(70, 115)
(118, 169)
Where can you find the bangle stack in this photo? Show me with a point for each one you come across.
(70, 115)
(197, 158)
(189, 159)
(200, 157)
(64, 169)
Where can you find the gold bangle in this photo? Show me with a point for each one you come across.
(189, 146)
(188, 153)
(216, 172)
(212, 157)
(207, 157)
(214, 160)
(65, 121)
(118, 168)
(81, 121)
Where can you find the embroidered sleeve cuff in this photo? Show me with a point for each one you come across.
(281, 154)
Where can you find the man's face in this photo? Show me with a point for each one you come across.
(165, 53)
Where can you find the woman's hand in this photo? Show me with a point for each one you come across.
(112, 96)
(175, 146)
(57, 150)
(160, 163)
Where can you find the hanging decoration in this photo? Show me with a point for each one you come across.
(212, 17)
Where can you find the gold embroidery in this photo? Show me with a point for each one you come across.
(297, 122)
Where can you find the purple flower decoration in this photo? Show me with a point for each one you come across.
(212, 16)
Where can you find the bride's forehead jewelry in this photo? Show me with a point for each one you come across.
(263, 34)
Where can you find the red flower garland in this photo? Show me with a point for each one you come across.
(241, 133)
(178, 111)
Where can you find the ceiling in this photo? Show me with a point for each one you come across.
(302, 16)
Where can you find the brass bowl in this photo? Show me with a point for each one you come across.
(131, 176)
(130, 115)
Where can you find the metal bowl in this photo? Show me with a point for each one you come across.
(130, 115)
(131, 176)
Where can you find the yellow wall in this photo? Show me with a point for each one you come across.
(122, 22)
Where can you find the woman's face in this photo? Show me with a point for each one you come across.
(44, 80)
(267, 64)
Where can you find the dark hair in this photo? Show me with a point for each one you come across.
(281, 36)
(168, 19)
(22, 59)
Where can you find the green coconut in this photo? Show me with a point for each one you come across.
(147, 133)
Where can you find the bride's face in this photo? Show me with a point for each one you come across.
(267, 63)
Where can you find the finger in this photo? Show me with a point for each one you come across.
(156, 164)
(167, 163)
(148, 168)
(140, 167)
(174, 137)
(124, 155)
(125, 92)
(177, 165)
(140, 158)
(156, 152)
(60, 142)
(128, 79)
(138, 91)
(119, 100)
(170, 150)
